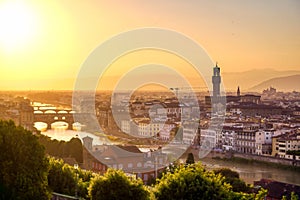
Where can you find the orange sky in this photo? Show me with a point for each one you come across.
(51, 39)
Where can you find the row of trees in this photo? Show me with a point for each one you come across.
(23, 165)
(189, 181)
(26, 173)
(64, 179)
(62, 149)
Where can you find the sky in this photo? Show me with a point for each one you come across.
(43, 44)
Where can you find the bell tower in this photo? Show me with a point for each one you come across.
(216, 80)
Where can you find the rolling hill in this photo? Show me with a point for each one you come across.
(286, 83)
(247, 79)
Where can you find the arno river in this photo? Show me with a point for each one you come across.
(255, 171)
(248, 172)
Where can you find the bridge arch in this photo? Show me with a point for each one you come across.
(67, 116)
(60, 125)
(62, 112)
(41, 126)
(50, 111)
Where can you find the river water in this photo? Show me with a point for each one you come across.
(247, 172)
(255, 171)
(66, 135)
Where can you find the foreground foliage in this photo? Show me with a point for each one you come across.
(25, 173)
(62, 149)
(191, 182)
(64, 179)
(190, 159)
(194, 182)
(115, 184)
(23, 165)
(234, 180)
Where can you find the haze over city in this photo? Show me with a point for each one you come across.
(44, 43)
(151, 100)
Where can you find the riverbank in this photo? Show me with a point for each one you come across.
(249, 159)
(268, 159)
(251, 170)
(242, 160)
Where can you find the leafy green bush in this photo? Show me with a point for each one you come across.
(115, 184)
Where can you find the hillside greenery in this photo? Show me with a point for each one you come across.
(27, 172)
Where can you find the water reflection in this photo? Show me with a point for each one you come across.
(66, 135)
(253, 172)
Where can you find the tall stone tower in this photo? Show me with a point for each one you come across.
(238, 93)
(216, 80)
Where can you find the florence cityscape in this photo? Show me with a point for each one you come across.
(149, 100)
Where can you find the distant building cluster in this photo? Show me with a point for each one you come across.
(271, 94)
(145, 165)
(17, 109)
(266, 124)
(268, 127)
(250, 126)
(267, 139)
(149, 119)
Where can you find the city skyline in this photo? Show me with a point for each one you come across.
(140, 86)
(51, 40)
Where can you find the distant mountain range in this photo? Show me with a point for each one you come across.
(286, 83)
(253, 80)
(259, 79)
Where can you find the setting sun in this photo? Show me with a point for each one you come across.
(43, 44)
(17, 24)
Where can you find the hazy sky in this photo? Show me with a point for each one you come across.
(51, 39)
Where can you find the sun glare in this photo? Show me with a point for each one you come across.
(17, 24)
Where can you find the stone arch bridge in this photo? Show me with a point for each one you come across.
(68, 116)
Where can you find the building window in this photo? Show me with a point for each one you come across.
(129, 165)
(146, 177)
(160, 161)
(139, 164)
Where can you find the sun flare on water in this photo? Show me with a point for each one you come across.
(17, 25)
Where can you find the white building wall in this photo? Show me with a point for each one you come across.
(208, 138)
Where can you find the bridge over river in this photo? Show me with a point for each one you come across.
(67, 117)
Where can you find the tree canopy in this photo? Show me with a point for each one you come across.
(64, 179)
(62, 149)
(194, 182)
(23, 164)
(190, 159)
(233, 178)
(115, 184)
(27, 174)
(191, 182)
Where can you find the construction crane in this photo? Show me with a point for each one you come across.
(177, 89)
